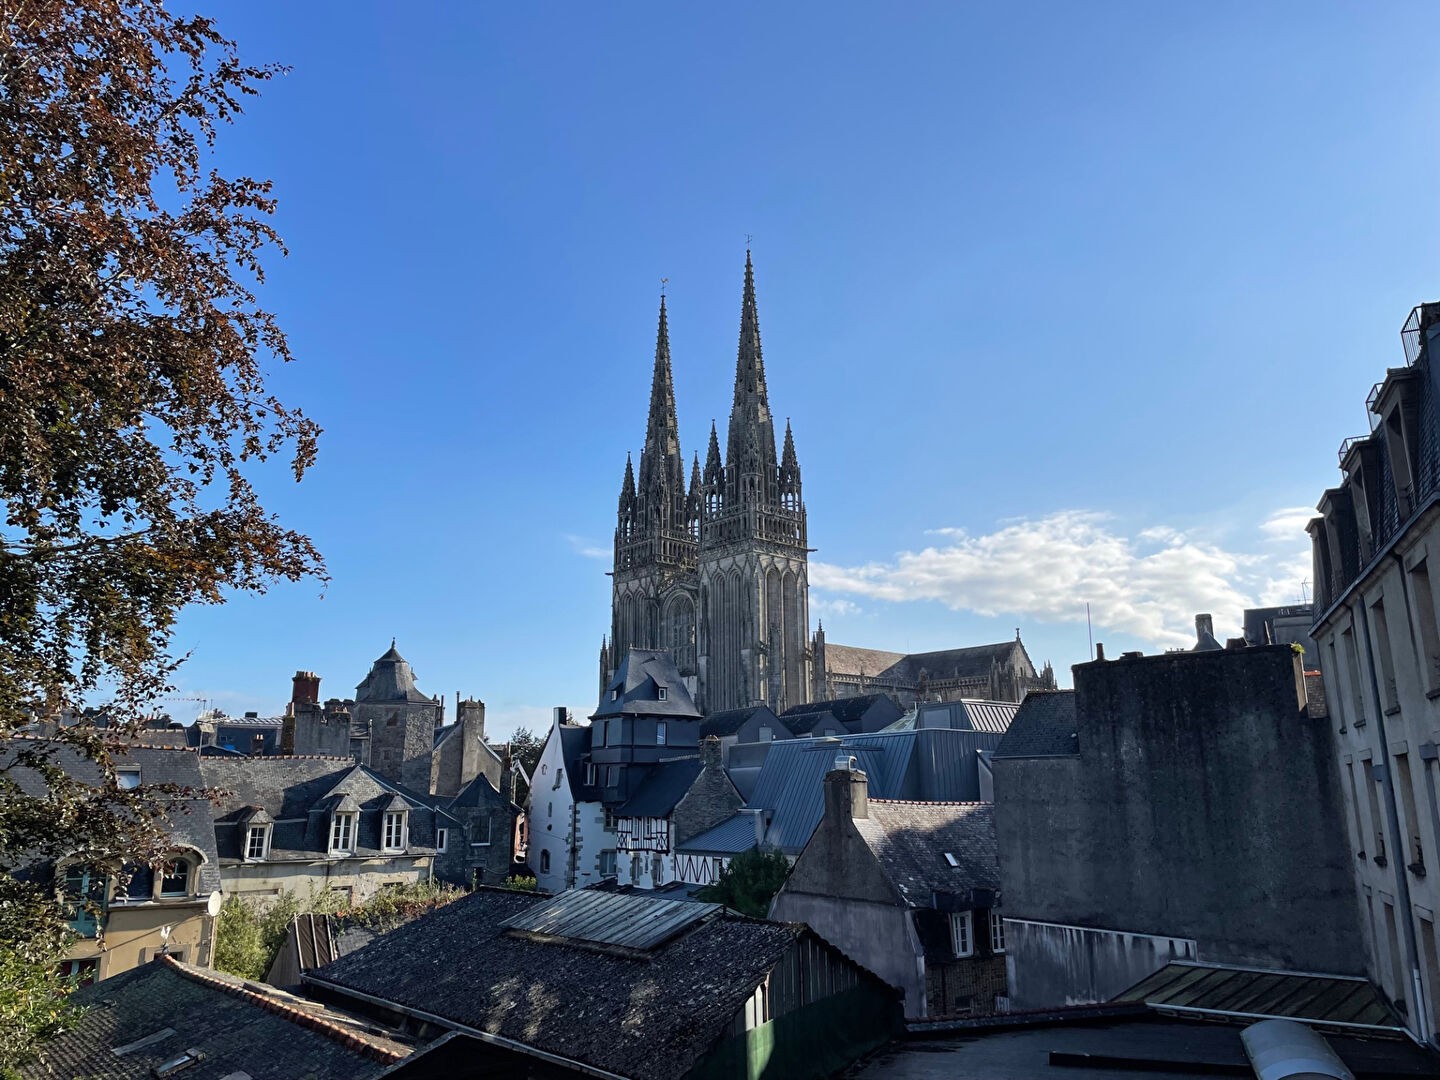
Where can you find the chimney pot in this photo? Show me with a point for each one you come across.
(710, 751)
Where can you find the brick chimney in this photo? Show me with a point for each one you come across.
(847, 792)
(305, 688)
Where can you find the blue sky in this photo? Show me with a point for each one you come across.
(1065, 303)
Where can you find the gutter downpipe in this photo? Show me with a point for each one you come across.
(1420, 1020)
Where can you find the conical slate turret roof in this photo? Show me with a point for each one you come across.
(390, 679)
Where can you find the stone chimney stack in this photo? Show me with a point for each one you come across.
(710, 752)
(847, 794)
(1204, 627)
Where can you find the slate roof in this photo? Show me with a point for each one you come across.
(844, 709)
(931, 764)
(238, 1029)
(649, 1019)
(300, 793)
(574, 745)
(191, 826)
(732, 836)
(729, 721)
(972, 662)
(391, 679)
(911, 839)
(804, 723)
(662, 789)
(641, 674)
(1044, 726)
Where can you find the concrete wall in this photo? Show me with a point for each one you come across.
(1203, 804)
(1068, 965)
(132, 936)
(876, 936)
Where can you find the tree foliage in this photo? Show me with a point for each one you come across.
(525, 747)
(133, 408)
(249, 934)
(750, 882)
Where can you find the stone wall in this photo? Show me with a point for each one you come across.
(712, 798)
(968, 985)
(1203, 803)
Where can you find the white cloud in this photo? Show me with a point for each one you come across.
(837, 607)
(1288, 525)
(586, 548)
(1149, 585)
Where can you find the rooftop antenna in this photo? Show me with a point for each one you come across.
(1305, 590)
(748, 239)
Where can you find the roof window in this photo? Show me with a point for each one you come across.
(127, 779)
(180, 1061)
(949, 858)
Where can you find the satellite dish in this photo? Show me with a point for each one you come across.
(212, 906)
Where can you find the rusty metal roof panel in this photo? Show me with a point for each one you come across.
(600, 918)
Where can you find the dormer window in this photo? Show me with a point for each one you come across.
(174, 878)
(614, 695)
(257, 842)
(394, 838)
(342, 834)
(662, 693)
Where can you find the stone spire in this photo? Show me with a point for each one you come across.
(627, 489)
(660, 490)
(789, 473)
(750, 470)
(714, 471)
(695, 502)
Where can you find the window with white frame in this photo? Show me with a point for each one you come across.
(660, 733)
(342, 833)
(481, 836)
(175, 878)
(257, 842)
(442, 839)
(127, 779)
(962, 933)
(614, 695)
(997, 931)
(607, 864)
(394, 836)
(661, 693)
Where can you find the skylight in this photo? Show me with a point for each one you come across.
(951, 859)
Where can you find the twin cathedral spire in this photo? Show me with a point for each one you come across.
(715, 569)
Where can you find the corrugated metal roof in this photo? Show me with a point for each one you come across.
(1187, 988)
(730, 837)
(932, 765)
(601, 918)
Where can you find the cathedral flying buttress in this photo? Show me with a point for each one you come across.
(716, 571)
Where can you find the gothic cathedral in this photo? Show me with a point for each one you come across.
(716, 573)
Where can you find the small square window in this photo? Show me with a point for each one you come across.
(662, 694)
(614, 695)
(127, 779)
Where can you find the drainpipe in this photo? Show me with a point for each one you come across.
(1399, 846)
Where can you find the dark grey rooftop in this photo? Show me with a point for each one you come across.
(192, 825)
(574, 745)
(1157, 1049)
(730, 837)
(911, 842)
(391, 679)
(844, 709)
(300, 793)
(163, 1008)
(1044, 726)
(934, 764)
(729, 721)
(662, 789)
(637, 682)
(648, 1019)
